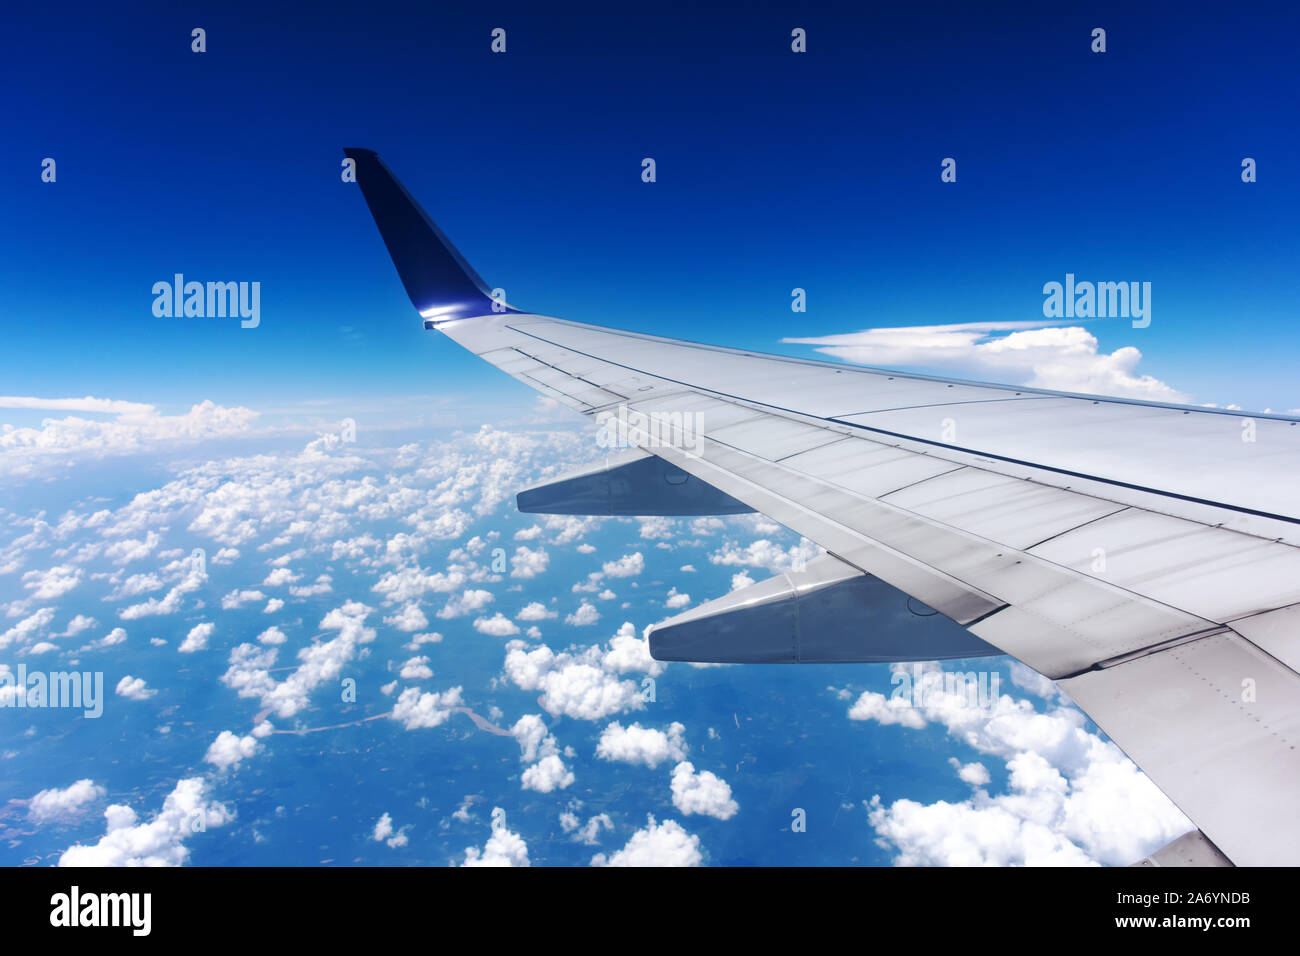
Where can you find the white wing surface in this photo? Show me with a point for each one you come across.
(1144, 556)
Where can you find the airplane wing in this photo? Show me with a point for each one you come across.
(1144, 556)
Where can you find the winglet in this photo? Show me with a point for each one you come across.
(441, 284)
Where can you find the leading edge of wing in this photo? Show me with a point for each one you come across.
(443, 286)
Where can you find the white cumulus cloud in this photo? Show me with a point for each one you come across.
(55, 804)
(229, 749)
(704, 792)
(656, 844)
(642, 745)
(503, 848)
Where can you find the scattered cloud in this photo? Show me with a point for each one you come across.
(642, 745)
(1073, 798)
(656, 844)
(161, 841)
(229, 749)
(133, 688)
(54, 805)
(197, 638)
(1031, 354)
(704, 793)
(503, 848)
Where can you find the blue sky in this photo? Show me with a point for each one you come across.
(775, 171)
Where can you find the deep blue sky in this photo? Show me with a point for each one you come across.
(775, 171)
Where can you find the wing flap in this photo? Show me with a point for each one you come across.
(1213, 722)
